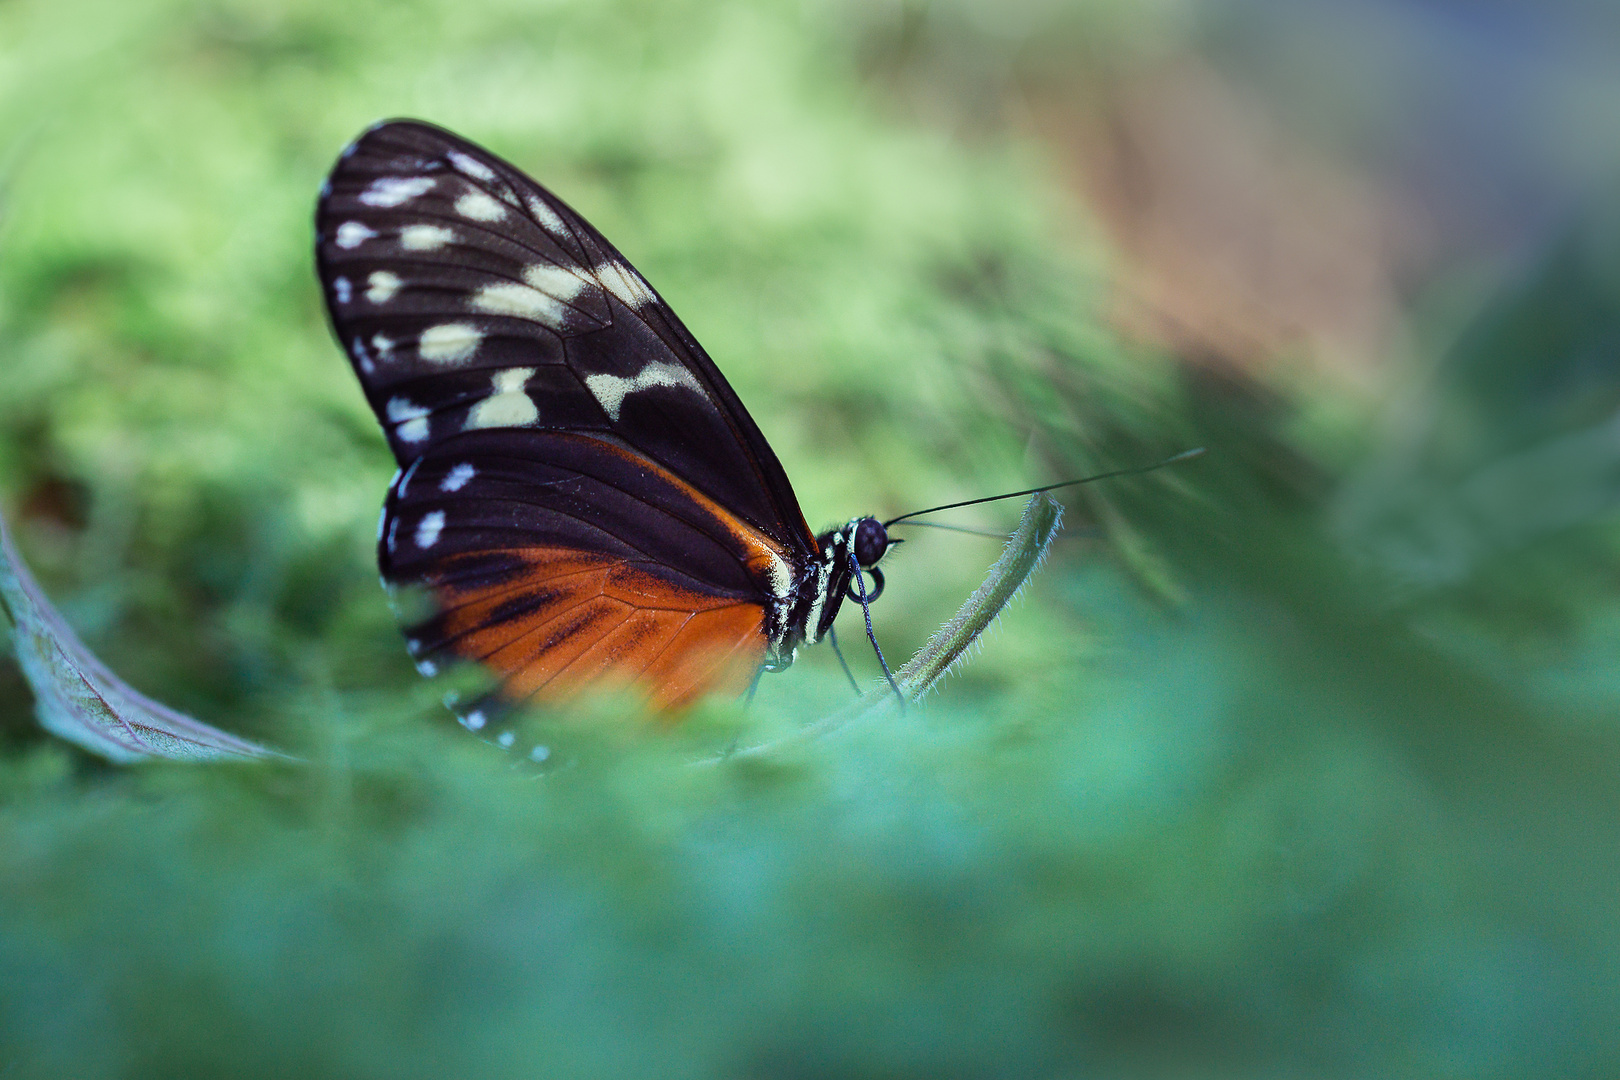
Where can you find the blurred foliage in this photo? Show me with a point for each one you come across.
(1299, 760)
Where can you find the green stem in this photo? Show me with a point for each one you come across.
(1025, 549)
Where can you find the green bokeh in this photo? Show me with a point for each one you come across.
(1297, 761)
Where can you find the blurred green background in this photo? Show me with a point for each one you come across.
(1299, 759)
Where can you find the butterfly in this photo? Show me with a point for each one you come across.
(581, 496)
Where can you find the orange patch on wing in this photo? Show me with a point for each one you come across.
(570, 620)
(763, 557)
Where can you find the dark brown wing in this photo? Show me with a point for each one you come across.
(562, 562)
(468, 296)
(581, 493)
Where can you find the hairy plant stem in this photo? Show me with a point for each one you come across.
(945, 649)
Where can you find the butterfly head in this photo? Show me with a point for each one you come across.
(828, 582)
(869, 540)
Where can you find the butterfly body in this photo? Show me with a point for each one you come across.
(581, 495)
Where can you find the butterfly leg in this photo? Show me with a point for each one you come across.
(866, 609)
(832, 636)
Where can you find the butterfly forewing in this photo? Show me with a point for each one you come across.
(469, 297)
(581, 493)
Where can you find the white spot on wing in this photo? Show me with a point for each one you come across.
(457, 478)
(479, 207)
(427, 668)
(382, 523)
(547, 289)
(611, 390)
(393, 530)
(449, 343)
(470, 166)
(554, 280)
(411, 419)
(540, 753)
(396, 190)
(342, 289)
(506, 739)
(510, 298)
(403, 481)
(473, 721)
(383, 345)
(507, 405)
(624, 283)
(428, 529)
(362, 357)
(351, 234)
(424, 237)
(546, 216)
(381, 286)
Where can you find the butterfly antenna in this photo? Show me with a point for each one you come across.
(993, 534)
(1171, 460)
(832, 638)
(866, 609)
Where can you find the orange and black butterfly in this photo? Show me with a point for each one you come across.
(580, 492)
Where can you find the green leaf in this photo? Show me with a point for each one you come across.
(79, 699)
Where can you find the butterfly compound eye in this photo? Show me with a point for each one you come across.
(871, 541)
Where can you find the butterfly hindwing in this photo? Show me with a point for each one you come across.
(557, 562)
